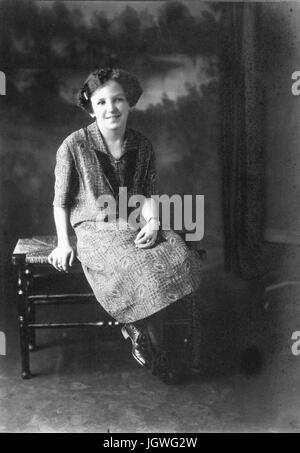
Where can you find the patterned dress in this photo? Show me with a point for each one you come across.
(130, 283)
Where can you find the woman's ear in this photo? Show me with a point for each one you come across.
(92, 115)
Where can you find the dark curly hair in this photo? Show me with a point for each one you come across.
(98, 78)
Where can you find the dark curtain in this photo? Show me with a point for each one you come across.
(242, 144)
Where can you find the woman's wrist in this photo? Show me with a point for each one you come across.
(63, 242)
(153, 221)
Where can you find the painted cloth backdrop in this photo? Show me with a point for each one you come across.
(47, 50)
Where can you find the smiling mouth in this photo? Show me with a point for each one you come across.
(113, 117)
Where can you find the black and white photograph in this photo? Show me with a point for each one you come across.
(149, 218)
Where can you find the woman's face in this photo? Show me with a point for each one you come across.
(110, 106)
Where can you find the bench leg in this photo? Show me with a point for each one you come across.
(23, 284)
(24, 338)
(31, 331)
(196, 332)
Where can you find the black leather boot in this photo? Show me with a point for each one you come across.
(140, 344)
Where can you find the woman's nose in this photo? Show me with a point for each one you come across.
(110, 106)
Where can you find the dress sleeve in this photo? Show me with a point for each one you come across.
(151, 176)
(65, 177)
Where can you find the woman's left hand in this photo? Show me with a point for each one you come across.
(147, 235)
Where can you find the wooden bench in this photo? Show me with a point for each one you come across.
(36, 284)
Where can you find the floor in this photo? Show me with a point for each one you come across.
(86, 381)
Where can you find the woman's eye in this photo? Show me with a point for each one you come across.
(102, 102)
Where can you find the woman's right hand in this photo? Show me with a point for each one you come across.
(62, 257)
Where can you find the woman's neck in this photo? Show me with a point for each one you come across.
(113, 136)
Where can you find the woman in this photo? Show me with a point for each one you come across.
(134, 274)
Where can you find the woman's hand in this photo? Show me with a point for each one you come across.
(147, 235)
(62, 257)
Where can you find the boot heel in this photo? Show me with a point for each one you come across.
(124, 333)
